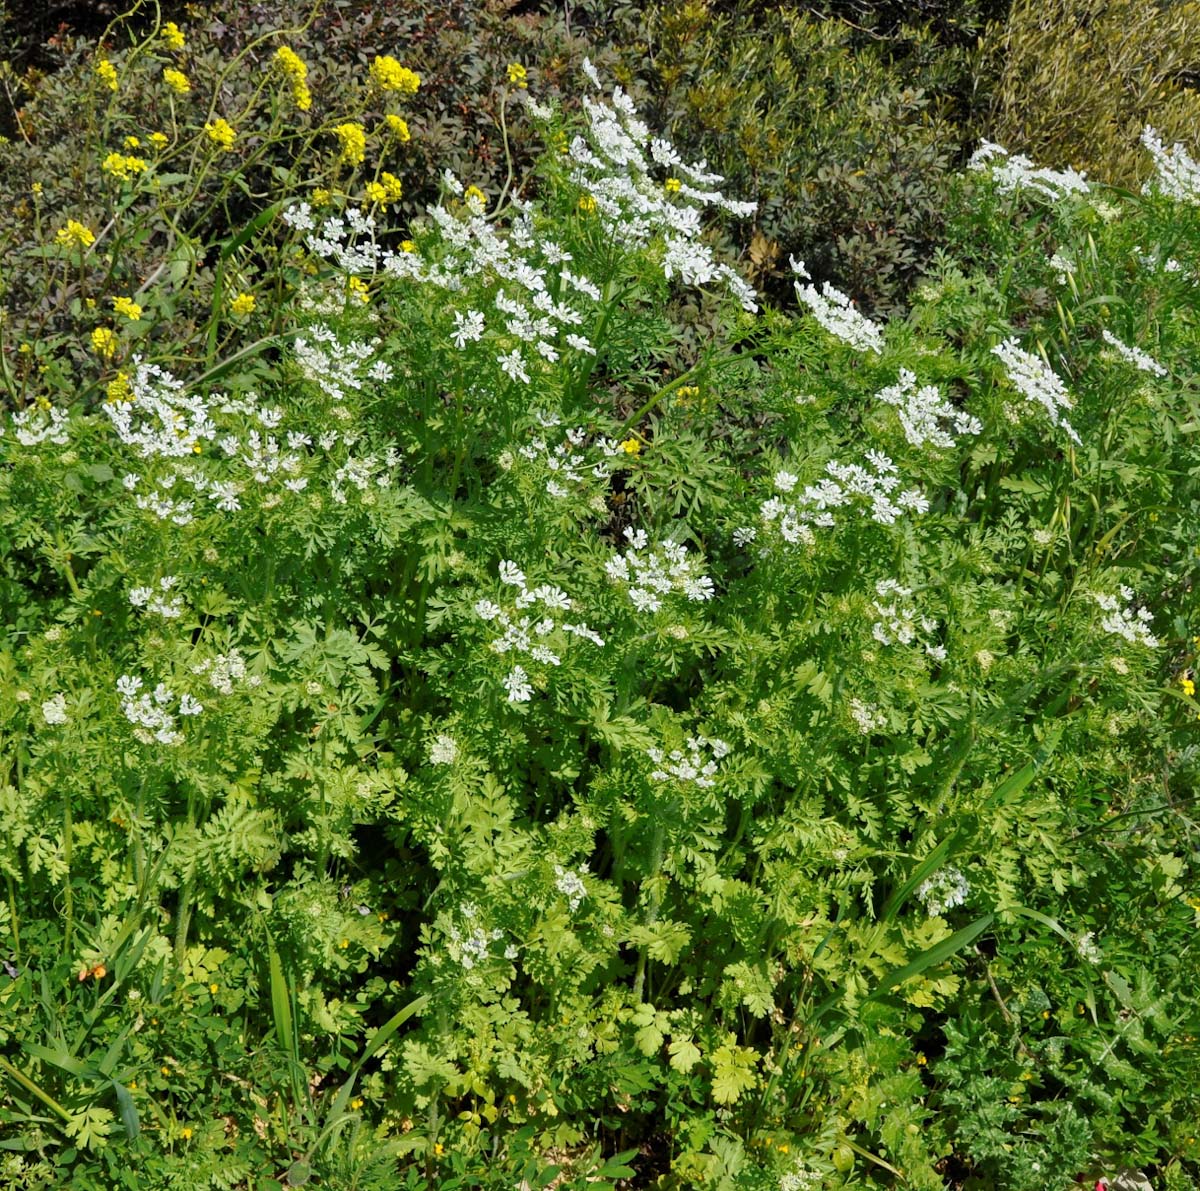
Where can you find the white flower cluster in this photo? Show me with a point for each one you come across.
(899, 622)
(613, 164)
(1133, 355)
(568, 464)
(943, 891)
(444, 750)
(1036, 382)
(1063, 267)
(362, 471)
(1131, 626)
(160, 420)
(164, 605)
(923, 411)
(872, 489)
(54, 710)
(697, 765)
(533, 266)
(835, 312)
(801, 1178)
(1015, 173)
(527, 636)
(151, 713)
(1178, 174)
(570, 885)
(225, 670)
(336, 237)
(867, 717)
(1087, 949)
(472, 945)
(40, 423)
(650, 576)
(337, 367)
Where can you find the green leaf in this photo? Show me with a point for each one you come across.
(936, 954)
(733, 1072)
(685, 1054)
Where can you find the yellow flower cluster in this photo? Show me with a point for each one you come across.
(221, 133)
(118, 389)
(353, 139)
(388, 75)
(176, 80)
(108, 73)
(121, 166)
(587, 204)
(75, 235)
(358, 289)
(1188, 684)
(516, 75)
(128, 307)
(631, 446)
(672, 185)
(399, 128)
(243, 304)
(159, 140)
(296, 74)
(386, 190)
(475, 195)
(172, 36)
(104, 342)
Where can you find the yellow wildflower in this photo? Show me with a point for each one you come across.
(321, 197)
(159, 140)
(243, 304)
(356, 1103)
(516, 75)
(214, 988)
(475, 195)
(672, 185)
(386, 190)
(1188, 685)
(75, 235)
(388, 75)
(407, 246)
(353, 139)
(172, 36)
(587, 204)
(131, 142)
(123, 167)
(439, 1149)
(118, 390)
(399, 128)
(221, 133)
(296, 73)
(104, 342)
(176, 80)
(345, 943)
(36, 189)
(358, 289)
(631, 446)
(128, 307)
(108, 73)
(185, 1133)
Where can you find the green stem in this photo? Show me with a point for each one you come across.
(30, 1086)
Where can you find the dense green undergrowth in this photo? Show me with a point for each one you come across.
(490, 699)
